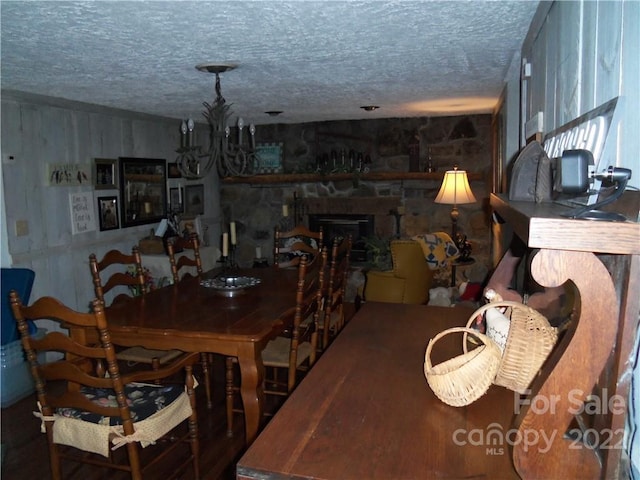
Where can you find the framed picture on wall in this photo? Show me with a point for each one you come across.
(194, 199)
(175, 200)
(268, 158)
(143, 190)
(108, 213)
(105, 174)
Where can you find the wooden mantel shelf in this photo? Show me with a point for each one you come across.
(314, 177)
(541, 225)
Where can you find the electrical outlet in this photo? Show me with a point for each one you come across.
(22, 228)
(8, 158)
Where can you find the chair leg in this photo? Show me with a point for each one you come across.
(204, 360)
(229, 392)
(54, 458)
(193, 428)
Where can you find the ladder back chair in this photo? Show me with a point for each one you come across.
(296, 352)
(134, 279)
(332, 316)
(89, 409)
(177, 264)
(184, 261)
(289, 246)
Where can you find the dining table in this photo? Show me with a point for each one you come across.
(192, 316)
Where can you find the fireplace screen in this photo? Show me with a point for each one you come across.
(359, 226)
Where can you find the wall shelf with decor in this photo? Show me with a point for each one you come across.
(314, 177)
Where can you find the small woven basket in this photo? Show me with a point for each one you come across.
(531, 338)
(463, 379)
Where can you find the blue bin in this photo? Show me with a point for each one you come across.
(20, 280)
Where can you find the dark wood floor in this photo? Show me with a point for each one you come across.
(25, 453)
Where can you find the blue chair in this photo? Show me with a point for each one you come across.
(20, 280)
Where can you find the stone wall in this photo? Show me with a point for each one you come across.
(385, 144)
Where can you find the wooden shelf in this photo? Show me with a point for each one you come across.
(314, 177)
(542, 225)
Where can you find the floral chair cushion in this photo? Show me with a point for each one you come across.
(144, 400)
(155, 409)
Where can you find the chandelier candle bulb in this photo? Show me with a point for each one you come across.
(183, 133)
(240, 127)
(190, 126)
(232, 229)
(225, 244)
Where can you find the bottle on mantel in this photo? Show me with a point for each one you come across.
(430, 168)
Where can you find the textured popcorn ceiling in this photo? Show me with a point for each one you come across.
(314, 60)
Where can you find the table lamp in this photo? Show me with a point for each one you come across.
(455, 190)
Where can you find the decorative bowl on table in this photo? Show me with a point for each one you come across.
(230, 285)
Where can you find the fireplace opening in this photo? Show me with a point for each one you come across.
(341, 225)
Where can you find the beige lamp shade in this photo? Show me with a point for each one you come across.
(455, 189)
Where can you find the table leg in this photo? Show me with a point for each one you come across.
(252, 376)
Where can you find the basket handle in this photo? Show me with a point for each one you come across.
(487, 306)
(466, 330)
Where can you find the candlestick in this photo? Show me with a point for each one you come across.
(225, 244)
(232, 228)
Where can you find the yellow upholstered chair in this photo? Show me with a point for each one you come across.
(408, 281)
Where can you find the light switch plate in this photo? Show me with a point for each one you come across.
(22, 228)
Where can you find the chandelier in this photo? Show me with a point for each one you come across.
(231, 157)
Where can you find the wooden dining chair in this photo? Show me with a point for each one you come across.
(134, 281)
(332, 316)
(287, 248)
(184, 261)
(295, 352)
(89, 408)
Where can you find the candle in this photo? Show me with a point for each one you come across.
(183, 133)
(285, 210)
(252, 132)
(258, 252)
(190, 127)
(232, 228)
(225, 244)
(240, 127)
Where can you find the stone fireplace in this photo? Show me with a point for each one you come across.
(310, 197)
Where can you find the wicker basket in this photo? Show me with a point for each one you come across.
(529, 343)
(463, 379)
